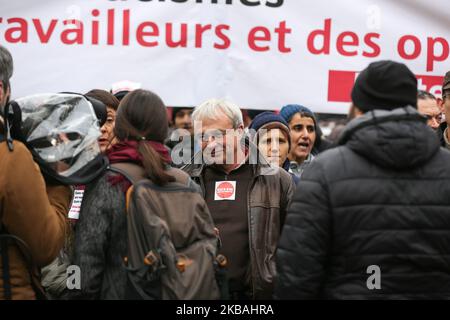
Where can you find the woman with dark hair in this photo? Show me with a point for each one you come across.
(101, 232)
(107, 139)
(306, 137)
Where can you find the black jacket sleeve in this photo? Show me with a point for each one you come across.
(287, 193)
(304, 243)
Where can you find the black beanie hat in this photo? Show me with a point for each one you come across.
(385, 85)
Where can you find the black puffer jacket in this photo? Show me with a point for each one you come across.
(382, 198)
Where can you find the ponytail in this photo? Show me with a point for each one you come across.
(154, 164)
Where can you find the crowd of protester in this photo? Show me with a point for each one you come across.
(286, 212)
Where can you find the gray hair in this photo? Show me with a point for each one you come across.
(212, 109)
(6, 65)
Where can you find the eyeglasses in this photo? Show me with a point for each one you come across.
(438, 117)
(214, 134)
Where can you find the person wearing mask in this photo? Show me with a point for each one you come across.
(31, 211)
(370, 218)
(54, 276)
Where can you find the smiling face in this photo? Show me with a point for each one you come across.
(274, 145)
(107, 138)
(303, 136)
(220, 142)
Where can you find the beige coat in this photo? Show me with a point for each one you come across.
(32, 211)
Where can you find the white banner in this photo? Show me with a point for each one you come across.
(259, 54)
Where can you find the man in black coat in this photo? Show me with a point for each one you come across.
(370, 219)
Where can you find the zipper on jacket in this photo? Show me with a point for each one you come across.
(252, 271)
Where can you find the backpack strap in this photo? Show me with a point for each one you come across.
(5, 263)
(135, 173)
(5, 240)
(179, 175)
(132, 172)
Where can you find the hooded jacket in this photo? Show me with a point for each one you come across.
(379, 200)
(32, 211)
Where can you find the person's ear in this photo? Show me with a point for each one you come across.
(2, 93)
(354, 112)
(440, 103)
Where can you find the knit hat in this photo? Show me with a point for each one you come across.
(288, 112)
(270, 120)
(385, 85)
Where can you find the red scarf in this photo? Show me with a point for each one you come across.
(127, 151)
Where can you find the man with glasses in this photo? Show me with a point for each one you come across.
(247, 198)
(444, 103)
(427, 106)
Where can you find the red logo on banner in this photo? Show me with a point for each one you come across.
(340, 84)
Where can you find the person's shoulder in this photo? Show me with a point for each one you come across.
(20, 156)
(19, 149)
(284, 175)
(191, 169)
(334, 156)
(275, 173)
(103, 185)
(441, 159)
(180, 175)
(333, 163)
